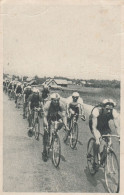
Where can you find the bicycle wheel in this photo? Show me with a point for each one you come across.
(112, 173)
(37, 129)
(90, 156)
(74, 135)
(56, 150)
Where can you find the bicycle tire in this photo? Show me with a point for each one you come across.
(90, 156)
(37, 129)
(74, 132)
(111, 156)
(56, 154)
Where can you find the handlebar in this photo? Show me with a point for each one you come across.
(37, 109)
(110, 136)
(83, 116)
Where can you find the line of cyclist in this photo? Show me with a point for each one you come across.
(62, 109)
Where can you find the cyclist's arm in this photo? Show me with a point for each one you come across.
(81, 106)
(116, 121)
(96, 133)
(46, 108)
(29, 105)
(82, 110)
(45, 119)
(64, 117)
(24, 97)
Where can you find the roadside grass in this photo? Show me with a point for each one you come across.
(93, 96)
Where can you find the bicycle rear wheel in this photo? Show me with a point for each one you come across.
(74, 135)
(112, 173)
(56, 150)
(90, 156)
(37, 129)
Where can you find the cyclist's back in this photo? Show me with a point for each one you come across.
(19, 89)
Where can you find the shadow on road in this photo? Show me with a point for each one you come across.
(96, 179)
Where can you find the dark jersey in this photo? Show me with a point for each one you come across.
(19, 89)
(27, 93)
(102, 120)
(45, 93)
(10, 86)
(34, 100)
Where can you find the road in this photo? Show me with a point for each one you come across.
(24, 170)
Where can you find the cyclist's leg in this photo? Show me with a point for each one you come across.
(60, 124)
(24, 108)
(16, 97)
(45, 141)
(30, 119)
(77, 112)
(97, 136)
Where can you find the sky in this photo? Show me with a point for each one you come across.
(70, 41)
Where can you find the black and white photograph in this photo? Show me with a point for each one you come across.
(61, 78)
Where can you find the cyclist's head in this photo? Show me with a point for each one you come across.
(75, 96)
(19, 84)
(28, 87)
(108, 105)
(55, 97)
(35, 91)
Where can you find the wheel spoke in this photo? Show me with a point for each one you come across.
(112, 173)
(90, 156)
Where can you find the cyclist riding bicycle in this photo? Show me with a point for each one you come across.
(99, 123)
(34, 100)
(18, 91)
(54, 109)
(9, 88)
(74, 106)
(45, 92)
(27, 92)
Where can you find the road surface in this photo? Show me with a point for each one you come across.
(24, 170)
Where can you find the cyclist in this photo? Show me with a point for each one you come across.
(99, 123)
(34, 100)
(18, 91)
(9, 88)
(54, 109)
(24, 86)
(4, 85)
(74, 106)
(26, 94)
(45, 92)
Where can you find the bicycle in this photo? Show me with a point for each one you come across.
(36, 123)
(73, 132)
(19, 99)
(107, 159)
(53, 143)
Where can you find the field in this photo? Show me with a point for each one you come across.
(90, 95)
(94, 96)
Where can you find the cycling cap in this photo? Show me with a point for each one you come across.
(75, 94)
(108, 102)
(55, 96)
(28, 87)
(35, 90)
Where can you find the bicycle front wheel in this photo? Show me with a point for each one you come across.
(56, 151)
(112, 173)
(37, 130)
(74, 136)
(91, 156)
